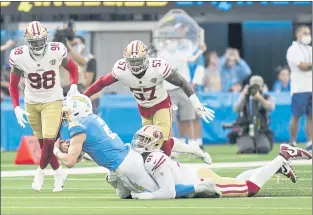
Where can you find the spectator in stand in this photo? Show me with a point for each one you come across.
(282, 84)
(210, 80)
(7, 45)
(233, 71)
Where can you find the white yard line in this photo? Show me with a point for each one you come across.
(97, 170)
(163, 207)
(108, 188)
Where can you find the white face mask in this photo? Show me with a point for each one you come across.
(306, 39)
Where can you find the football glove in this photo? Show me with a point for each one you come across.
(73, 91)
(19, 113)
(203, 112)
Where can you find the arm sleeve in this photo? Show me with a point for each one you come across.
(104, 81)
(13, 89)
(72, 68)
(183, 190)
(76, 128)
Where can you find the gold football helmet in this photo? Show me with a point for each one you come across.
(36, 36)
(149, 138)
(136, 56)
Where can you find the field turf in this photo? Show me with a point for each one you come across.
(90, 194)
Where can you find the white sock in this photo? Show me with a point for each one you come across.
(247, 174)
(181, 147)
(59, 170)
(190, 140)
(261, 175)
(308, 144)
(199, 141)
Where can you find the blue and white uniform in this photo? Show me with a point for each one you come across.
(109, 151)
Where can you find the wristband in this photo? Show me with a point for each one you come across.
(194, 100)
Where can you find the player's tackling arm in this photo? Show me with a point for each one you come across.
(176, 79)
(102, 82)
(179, 81)
(70, 159)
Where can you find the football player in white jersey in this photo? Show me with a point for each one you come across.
(39, 62)
(145, 76)
(168, 173)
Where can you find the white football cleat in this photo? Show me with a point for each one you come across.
(59, 180)
(286, 170)
(207, 189)
(38, 179)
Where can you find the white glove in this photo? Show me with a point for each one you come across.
(19, 113)
(205, 113)
(143, 196)
(112, 177)
(73, 90)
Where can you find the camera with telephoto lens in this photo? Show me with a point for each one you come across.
(253, 89)
(66, 33)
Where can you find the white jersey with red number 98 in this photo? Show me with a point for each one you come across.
(42, 77)
(148, 90)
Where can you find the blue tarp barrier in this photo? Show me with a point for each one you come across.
(121, 114)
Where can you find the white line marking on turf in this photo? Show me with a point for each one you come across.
(95, 170)
(109, 188)
(166, 207)
(115, 197)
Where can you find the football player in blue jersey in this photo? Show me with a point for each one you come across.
(90, 134)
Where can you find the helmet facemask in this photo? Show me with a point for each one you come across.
(37, 46)
(143, 142)
(137, 65)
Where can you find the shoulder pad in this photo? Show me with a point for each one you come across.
(17, 54)
(57, 49)
(119, 68)
(154, 161)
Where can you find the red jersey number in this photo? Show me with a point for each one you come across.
(122, 65)
(55, 46)
(18, 51)
(46, 80)
(156, 63)
(139, 93)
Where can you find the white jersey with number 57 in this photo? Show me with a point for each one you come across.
(42, 77)
(147, 90)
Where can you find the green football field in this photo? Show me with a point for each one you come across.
(90, 194)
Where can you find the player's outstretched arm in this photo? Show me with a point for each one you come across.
(75, 149)
(176, 79)
(102, 82)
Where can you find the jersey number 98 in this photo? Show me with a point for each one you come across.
(46, 80)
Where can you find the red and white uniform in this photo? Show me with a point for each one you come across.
(42, 77)
(148, 91)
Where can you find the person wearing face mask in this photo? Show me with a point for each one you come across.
(299, 57)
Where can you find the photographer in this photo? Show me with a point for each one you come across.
(254, 107)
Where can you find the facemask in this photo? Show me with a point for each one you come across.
(306, 39)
